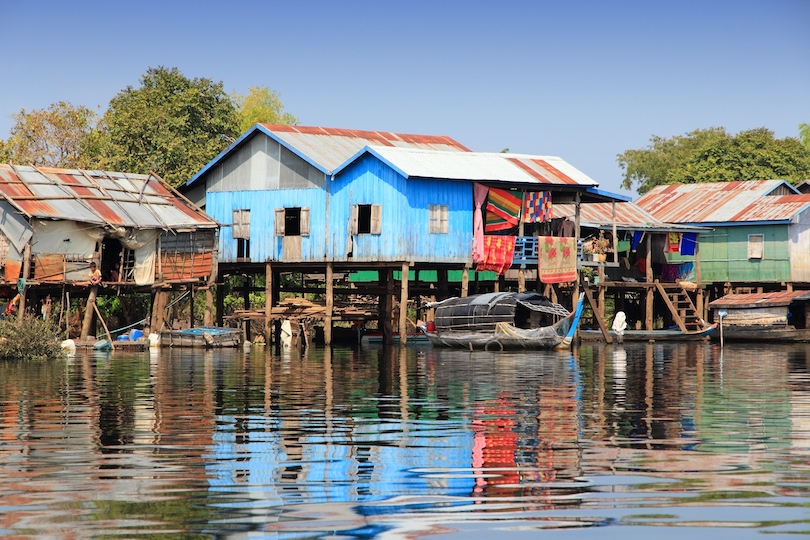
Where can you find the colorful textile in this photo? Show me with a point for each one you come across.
(537, 207)
(499, 251)
(674, 242)
(557, 259)
(503, 209)
(689, 243)
(686, 271)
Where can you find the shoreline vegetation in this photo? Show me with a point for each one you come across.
(30, 339)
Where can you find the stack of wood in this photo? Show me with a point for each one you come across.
(300, 308)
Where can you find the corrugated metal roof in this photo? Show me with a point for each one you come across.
(477, 166)
(717, 202)
(330, 147)
(629, 216)
(99, 197)
(755, 300)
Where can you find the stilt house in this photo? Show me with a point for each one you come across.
(334, 201)
(141, 233)
(760, 231)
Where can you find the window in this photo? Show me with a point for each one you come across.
(756, 245)
(292, 221)
(437, 213)
(366, 219)
(241, 233)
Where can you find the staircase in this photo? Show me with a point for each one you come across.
(683, 310)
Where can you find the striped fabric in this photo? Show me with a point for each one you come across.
(503, 209)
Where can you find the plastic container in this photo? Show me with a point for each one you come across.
(135, 334)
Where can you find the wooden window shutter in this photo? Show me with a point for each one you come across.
(376, 219)
(755, 246)
(280, 213)
(304, 221)
(241, 224)
(445, 219)
(353, 219)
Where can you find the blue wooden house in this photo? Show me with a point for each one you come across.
(311, 199)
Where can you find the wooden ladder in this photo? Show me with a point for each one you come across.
(683, 310)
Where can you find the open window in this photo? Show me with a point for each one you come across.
(438, 215)
(293, 221)
(366, 219)
(756, 246)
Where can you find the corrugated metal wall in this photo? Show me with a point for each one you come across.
(724, 255)
(405, 222)
(798, 248)
(405, 219)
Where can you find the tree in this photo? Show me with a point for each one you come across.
(713, 155)
(170, 125)
(260, 105)
(61, 136)
(804, 134)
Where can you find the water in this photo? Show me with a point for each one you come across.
(635, 441)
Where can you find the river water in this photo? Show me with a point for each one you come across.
(607, 441)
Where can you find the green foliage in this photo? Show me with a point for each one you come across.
(713, 155)
(60, 136)
(171, 125)
(804, 135)
(31, 339)
(260, 105)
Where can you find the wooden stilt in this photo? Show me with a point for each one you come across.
(208, 316)
(465, 282)
(268, 301)
(88, 313)
(330, 305)
(387, 308)
(403, 304)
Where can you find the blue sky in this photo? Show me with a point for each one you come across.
(583, 80)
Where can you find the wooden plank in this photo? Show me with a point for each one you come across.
(675, 315)
(602, 325)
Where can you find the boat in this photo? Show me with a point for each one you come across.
(203, 337)
(668, 334)
(781, 316)
(501, 321)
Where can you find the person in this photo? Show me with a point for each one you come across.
(11, 308)
(46, 308)
(95, 274)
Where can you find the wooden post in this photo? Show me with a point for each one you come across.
(268, 301)
(403, 305)
(330, 304)
(465, 282)
(88, 313)
(191, 306)
(246, 301)
(220, 300)
(577, 203)
(649, 319)
(386, 307)
(208, 316)
(26, 269)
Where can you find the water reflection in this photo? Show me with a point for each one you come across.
(405, 441)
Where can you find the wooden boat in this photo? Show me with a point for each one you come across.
(502, 320)
(776, 316)
(670, 334)
(203, 337)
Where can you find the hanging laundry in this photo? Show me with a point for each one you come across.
(503, 209)
(638, 236)
(536, 207)
(557, 259)
(689, 243)
(674, 242)
(499, 252)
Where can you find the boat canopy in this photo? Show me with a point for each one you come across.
(481, 313)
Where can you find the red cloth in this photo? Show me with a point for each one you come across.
(499, 251)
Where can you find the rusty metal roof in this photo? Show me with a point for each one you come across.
(328, 148)
(478, 166)
(723, 202)
(759, 300)
(629, 216)
(106, 198)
